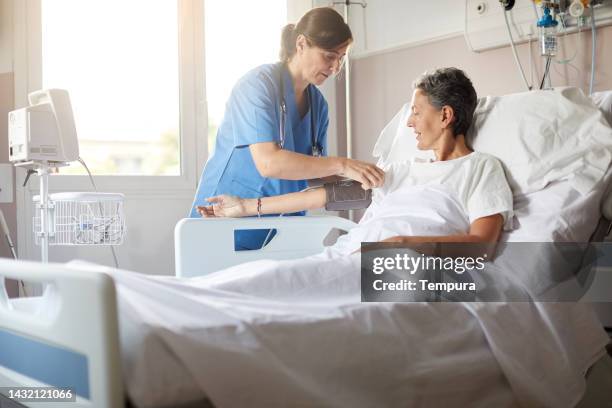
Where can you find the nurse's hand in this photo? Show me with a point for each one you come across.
(223, 206)
(368, 174)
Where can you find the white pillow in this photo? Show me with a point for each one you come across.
(603, 100)
(543, 136)
(397, 142)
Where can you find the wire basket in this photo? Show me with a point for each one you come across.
(83, 219)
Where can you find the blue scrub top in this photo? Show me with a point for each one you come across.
(252, 115)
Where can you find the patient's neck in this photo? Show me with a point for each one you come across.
(451, 147)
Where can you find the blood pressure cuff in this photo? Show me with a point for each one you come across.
(346, 195)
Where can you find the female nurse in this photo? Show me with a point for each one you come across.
(273, 136)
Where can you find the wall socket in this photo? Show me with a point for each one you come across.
(6, 183)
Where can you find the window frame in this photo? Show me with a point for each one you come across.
(192, 101)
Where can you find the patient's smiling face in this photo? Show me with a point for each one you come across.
(427, 122)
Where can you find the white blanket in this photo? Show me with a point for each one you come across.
(291, 333)
(295, 333)
(413, 210)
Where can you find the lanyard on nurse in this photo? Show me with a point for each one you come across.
(317, 150)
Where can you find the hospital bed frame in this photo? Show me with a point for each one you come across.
(73, 341)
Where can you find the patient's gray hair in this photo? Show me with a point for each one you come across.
(450, 87)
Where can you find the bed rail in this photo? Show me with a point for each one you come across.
(205, 245)
(66, 338)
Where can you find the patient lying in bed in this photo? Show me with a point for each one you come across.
(462, 196)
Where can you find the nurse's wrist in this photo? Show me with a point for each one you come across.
(340, 165)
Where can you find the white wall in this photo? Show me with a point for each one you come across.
(385, 24)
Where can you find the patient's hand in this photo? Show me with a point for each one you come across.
(223, 206)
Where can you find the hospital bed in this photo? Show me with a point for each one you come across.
(58, 341)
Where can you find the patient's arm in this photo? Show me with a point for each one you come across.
(484, 231)
(232, 206)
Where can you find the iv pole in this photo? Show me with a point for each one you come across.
(347, 69)
(45, 206)
(347, 88)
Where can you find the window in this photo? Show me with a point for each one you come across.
(135, 71)
(119, 60)
(240, 35)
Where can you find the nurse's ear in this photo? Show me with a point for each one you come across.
(300, 43)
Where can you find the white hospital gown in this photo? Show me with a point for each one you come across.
(477, 181)
(432, 199)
